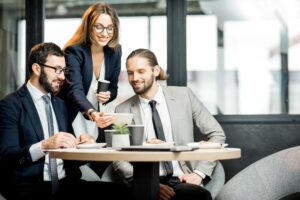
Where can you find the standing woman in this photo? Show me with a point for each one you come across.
(92, 54)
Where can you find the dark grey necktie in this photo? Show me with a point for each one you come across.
(52, 161)
(159, 131)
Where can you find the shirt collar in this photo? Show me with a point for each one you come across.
(35, 92)
(158, 97)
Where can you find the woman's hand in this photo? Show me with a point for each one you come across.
(103, 97)
(104, 119)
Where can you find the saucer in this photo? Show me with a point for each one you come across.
(91, 146)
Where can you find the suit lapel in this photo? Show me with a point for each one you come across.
(135, 109)
(171, 104)
(59, 116)
(108, 65)
(87, 69)
(31, 111)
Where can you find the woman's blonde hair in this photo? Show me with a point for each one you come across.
(152, 60)
(83, 35)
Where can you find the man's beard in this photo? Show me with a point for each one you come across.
(146, 87)
(43, 80)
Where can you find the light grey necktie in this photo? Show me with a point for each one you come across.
(52, 161)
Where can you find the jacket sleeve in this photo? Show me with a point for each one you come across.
(209, 127)
(12, 154)
(75, 86)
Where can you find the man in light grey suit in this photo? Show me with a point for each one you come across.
(179, 110)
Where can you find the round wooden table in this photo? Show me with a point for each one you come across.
(145, 163)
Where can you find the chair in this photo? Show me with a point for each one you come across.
(217, 181)
(214, 185)
(271, 178)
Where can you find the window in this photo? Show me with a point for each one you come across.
(234, 59)
(11, 12)
(234, 56)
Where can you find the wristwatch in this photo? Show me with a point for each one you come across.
(90, 114)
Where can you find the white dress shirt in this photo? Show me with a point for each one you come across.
(35, 149)
(149, 132)
(82, 125)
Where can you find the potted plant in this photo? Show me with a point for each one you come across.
(120, 135)
(120, 129)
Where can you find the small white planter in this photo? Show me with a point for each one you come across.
(120, 140)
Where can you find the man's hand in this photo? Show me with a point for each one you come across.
(60, 140)
(165, 192)
(192, 178)
(86, 138)
(103, 119)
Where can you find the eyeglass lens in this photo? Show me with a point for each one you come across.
(99, 29)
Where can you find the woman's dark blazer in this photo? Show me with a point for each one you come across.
(80, 65)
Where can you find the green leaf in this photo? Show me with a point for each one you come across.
(120, 129)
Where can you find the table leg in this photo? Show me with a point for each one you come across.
(146, 180)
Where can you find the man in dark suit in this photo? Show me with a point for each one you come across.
(27, 128)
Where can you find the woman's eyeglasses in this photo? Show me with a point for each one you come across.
(99, 29)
